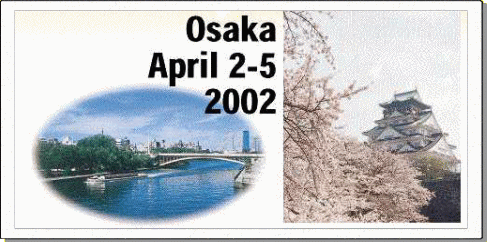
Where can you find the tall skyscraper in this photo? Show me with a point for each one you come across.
(246, 141)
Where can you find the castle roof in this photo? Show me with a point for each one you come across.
(375, 132)
(406, 148)
(423, 116)
(400, 104)
(408, 125)
(407, 95)
(405, 99)
(390, 133)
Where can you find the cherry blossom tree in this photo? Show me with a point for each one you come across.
(328, 178)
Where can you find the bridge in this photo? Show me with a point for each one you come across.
(240, 158)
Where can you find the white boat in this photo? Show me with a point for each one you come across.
(142, 174)
(96, 179)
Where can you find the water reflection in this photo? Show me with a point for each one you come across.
(98, 187)
(198, 186)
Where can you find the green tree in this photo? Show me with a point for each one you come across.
(97, 152)
(431, 167)
(45, 152)
(94, 154)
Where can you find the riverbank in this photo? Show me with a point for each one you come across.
(249, 174)
(99, 174)
(74, 177)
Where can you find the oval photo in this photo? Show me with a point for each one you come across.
(147, 154)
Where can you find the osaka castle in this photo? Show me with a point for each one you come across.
(408, 126)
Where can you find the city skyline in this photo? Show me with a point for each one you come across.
(143, 115)
(253, 145)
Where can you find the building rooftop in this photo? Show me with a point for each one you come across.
(405, 99)
(423, 116)
(414, 94)
(398, 104)
(408, 125)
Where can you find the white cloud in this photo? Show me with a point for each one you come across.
(208, 118)
(111, 125)
(167, 123)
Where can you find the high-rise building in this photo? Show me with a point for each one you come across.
(246, 141)
(257, 145)
(408, 126)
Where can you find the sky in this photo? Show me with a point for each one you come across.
(393, 52)
(142, 114)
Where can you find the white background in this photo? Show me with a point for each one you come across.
(83, 53)
(55, 66)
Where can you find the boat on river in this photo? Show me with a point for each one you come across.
(95, 179)
(111, 177)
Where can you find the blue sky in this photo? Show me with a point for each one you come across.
(140, 114)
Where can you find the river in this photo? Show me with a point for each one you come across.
(164, 194)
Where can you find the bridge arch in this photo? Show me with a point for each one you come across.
(202, 158)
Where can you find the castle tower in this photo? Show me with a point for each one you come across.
(408, 125)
